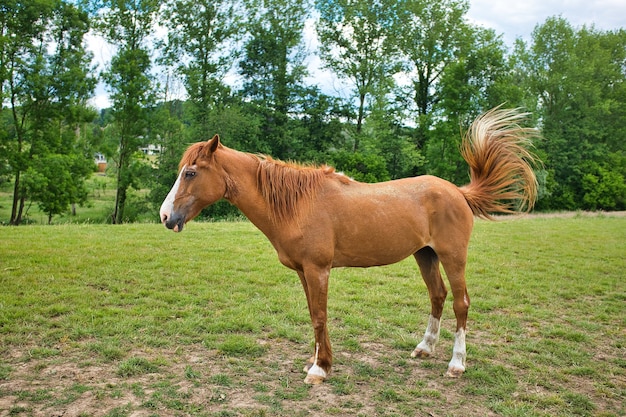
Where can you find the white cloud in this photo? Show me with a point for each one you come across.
(327, 82)
(102, 52)
(518, 19)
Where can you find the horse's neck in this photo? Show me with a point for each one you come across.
(242, 171)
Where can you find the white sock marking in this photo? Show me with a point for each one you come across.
(458, 352)
(316, 370)
(431, 336)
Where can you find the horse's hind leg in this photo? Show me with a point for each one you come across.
(429, 267)
(454, 265)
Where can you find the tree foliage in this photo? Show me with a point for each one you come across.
(431, 34)
(418, 73)
(199, 36)
(357, 46)
(128, 24)
(579, 79)
(273, 70)
(46, 80)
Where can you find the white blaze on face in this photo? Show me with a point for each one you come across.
(168, 204)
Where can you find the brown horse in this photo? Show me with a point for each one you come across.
(318, 219)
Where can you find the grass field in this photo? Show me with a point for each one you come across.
(98, 209)
(134, 320)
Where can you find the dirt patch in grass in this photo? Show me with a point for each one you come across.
(192, 380)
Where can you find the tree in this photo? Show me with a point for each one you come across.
(53, 181)
(128, 24)
(46, 78)
(478, 80)
(319, 124)
(355, 44)
(273, 70)
(579, 80)
(431, 35)
(23, 26)
(385, 136)
(199, 45)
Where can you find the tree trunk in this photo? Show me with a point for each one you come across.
(359, 121)
(20, 211)
(16, 197)
(120, 202)
(120, 194)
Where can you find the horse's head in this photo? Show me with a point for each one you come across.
(200, 182)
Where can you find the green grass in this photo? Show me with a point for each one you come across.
(98, 209)
(133, 319)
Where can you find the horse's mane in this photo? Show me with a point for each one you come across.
(289, 187)
(191, 155)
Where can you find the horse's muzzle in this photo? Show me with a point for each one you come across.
(173, 222)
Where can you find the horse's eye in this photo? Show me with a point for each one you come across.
(190, 174)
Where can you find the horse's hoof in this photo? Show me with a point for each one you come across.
(419, 353)
(316, 375)
(314, 379)
(455, 372)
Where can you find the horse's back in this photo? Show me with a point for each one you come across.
(383, 223)
(406, 199)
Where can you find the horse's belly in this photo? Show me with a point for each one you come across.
(362, 261)
(375, 249)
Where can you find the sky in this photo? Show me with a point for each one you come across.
(515, 19)
(509, 18)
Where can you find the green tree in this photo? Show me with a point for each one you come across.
(273, 69)
(128, 24)
(23, 27)
(46, 79)
(603, 187)
(385, 135)
(199, 46)
(579, 80)
(362, 166)
(319, 124)
(431, 35)
(55, 182)
(478, 80)
(355, 44)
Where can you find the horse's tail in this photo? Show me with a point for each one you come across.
(497, 151)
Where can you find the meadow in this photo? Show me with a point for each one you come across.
(97, 210)
(134, 320)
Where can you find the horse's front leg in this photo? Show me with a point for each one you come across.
(315, 283)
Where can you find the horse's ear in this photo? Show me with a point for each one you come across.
(214, 143)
